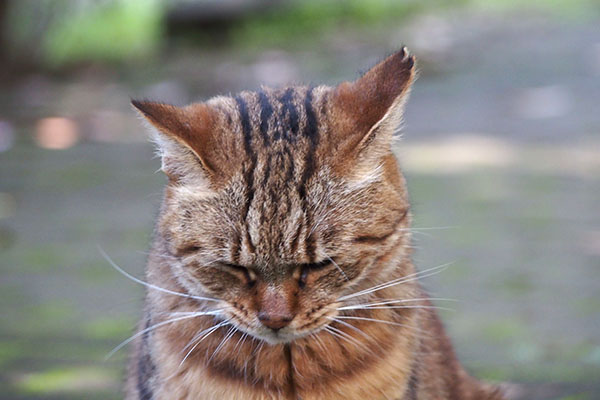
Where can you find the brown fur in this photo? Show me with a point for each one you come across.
(280, 205)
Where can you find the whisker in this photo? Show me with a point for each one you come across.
(258, 348)
(419, 231)
(326, 329)
(349, 337)
(411, 329)
(315, 336)
(408, 278)
(338, 268)
(149, 285)
(384, 302)
(180, 313)
(373, 320)
(432, 228)
(206, 334)
(201, 336)
(225, 340)
(385, 307)
(392, 304)
(241, 341)
(339, 321)
(155, 326)
(343, 335)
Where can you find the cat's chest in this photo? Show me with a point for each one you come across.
(322, 368)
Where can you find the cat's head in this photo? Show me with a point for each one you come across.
(280, 202)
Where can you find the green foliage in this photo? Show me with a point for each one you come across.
(303, 20)
(60, 33)
(65, 380)
(113, 31)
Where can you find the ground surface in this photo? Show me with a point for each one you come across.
(501, 150)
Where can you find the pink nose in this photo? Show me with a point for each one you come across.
(275, 321)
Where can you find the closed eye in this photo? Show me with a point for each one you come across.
(187, 250)
(305, 269)
(249, 275)
(317, 266)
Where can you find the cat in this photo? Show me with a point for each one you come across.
(281, 261)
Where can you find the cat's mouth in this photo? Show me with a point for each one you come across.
(280, 336)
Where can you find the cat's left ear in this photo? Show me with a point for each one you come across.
(369, 110)
(185, 138)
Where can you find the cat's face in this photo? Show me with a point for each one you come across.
(282, 201)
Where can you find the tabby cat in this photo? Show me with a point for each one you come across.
(281, 261)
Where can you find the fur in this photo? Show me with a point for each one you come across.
(284, 211)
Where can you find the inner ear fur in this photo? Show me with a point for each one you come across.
(186, 138)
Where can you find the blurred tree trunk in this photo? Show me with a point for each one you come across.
(3, 29)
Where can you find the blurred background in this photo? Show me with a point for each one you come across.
(501, 150)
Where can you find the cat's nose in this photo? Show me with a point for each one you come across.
(275, 307)
(275, 321)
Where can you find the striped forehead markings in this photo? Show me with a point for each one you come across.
(248, 175)
(290, 112)
(266, 110)
(288, 128)
(311, 132)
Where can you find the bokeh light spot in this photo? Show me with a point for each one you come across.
(56, 133)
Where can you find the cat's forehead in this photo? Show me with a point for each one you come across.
(281, 131)
(267, 119)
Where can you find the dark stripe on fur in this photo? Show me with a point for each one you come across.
(413, 384)
(289, 110)
(146, 368)
(266, 110)
(312, 134)
(291, 382)
(249, 170)
(295, 238)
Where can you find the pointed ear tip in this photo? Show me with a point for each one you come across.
(148, 108)
(140, 105)
(403, 56)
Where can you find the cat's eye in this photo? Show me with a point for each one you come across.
(305, 269)
(187, 250)
(249, 275)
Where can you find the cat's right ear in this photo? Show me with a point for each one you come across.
(184, 137)
(368, 111)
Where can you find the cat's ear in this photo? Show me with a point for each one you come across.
(369, 110)
(184, 138)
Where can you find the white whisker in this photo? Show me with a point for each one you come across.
(338, 268)
(241, 341)
(385, 304)
(225, 340)
(359, 307)
(149, 285)
(315, 337)
(169, 321)
(344, 335)
(408, 278)
(411, 329)
(373, 320)
(339, 321)
(391, 301)
(200, 337)
(349, 337)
